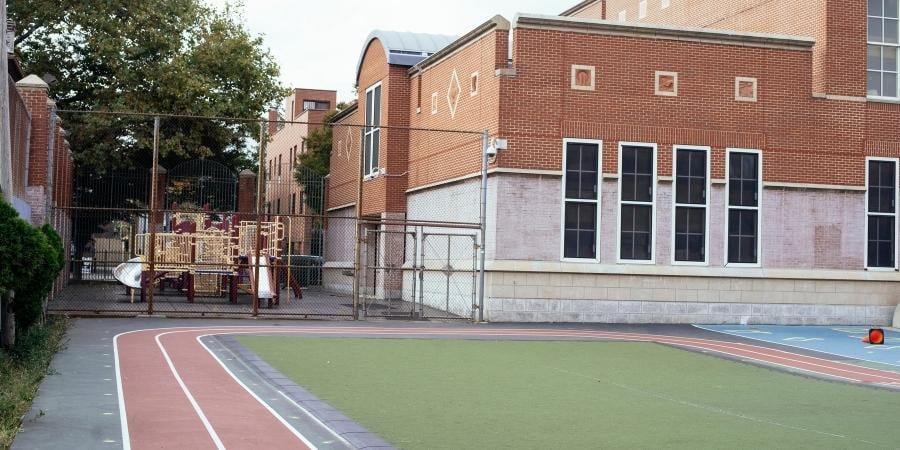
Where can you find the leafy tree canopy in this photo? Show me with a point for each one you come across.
(149, 56)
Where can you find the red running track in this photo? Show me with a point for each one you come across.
(174, 393)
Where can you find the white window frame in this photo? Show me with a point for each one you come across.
(623, 15)
(434, 103)
(663, 4)
(896, 216)
(369, 131)
(896, 48)
(642, 9)
(598, 202)
(653, 228)
(476, 80)
(675, 204)
(758, 208)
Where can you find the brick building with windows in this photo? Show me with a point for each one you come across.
(668, 160)
(302, 112)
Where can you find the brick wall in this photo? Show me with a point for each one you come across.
(795, 129)
(436, 156)
(345, 152)
(838, 27)
(35, 99)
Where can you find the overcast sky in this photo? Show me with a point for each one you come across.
(317, 43)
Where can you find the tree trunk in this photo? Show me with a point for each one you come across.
(7, 322)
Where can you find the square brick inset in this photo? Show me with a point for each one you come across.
(583, 78)
(745, 89)
(667, 84)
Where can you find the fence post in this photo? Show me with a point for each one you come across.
(357, 248)
(154, 185)
(483, 243)
(260, 193)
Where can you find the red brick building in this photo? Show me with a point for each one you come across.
(302, 112)
(667, 160)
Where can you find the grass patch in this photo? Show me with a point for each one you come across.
(21, 371)
(420, 394)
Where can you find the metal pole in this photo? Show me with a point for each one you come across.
(290, 255)
(483, 243)
(154, 175)
(6, 169)
(356, 241)
(260, 193)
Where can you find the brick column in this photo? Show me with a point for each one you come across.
(34, 92)
(160, 194)
(246, 202)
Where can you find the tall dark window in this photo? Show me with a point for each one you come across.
(637, 194)
(372, 130)
(881, 241)
(293, 203)
(744, 192)
(883, 50)
(581, 198)
(691, 203)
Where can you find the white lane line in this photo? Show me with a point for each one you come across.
(187, 393)
(123, 417)
(803, 339)
(253, 394)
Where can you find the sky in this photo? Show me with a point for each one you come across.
(317, 43)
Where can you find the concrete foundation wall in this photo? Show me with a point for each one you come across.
(546, 297)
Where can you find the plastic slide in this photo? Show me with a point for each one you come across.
(129, 273)
(265, 284)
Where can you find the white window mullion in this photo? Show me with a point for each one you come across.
(623, 203)
(591, 146)
(757, 262)
(893, 264)
(704, 207)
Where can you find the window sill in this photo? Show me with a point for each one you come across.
(875, 99)
(636, 262)
(690, 263)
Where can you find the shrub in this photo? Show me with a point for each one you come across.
(13, 271)
(32, 258)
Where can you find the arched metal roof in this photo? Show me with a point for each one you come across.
(405, 48)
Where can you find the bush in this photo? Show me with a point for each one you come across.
(32, 258)
(12, 230)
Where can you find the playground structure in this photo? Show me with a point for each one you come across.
(212, 258)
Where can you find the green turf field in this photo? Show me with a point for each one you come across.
(427, 394)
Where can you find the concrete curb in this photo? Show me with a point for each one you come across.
(347, 428)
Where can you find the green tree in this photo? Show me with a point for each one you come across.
(166, 56)
(313, 165)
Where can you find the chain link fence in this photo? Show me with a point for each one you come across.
(215, 224)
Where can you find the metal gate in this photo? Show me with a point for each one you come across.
(418, 272)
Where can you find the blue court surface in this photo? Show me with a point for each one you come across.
(844, 341)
